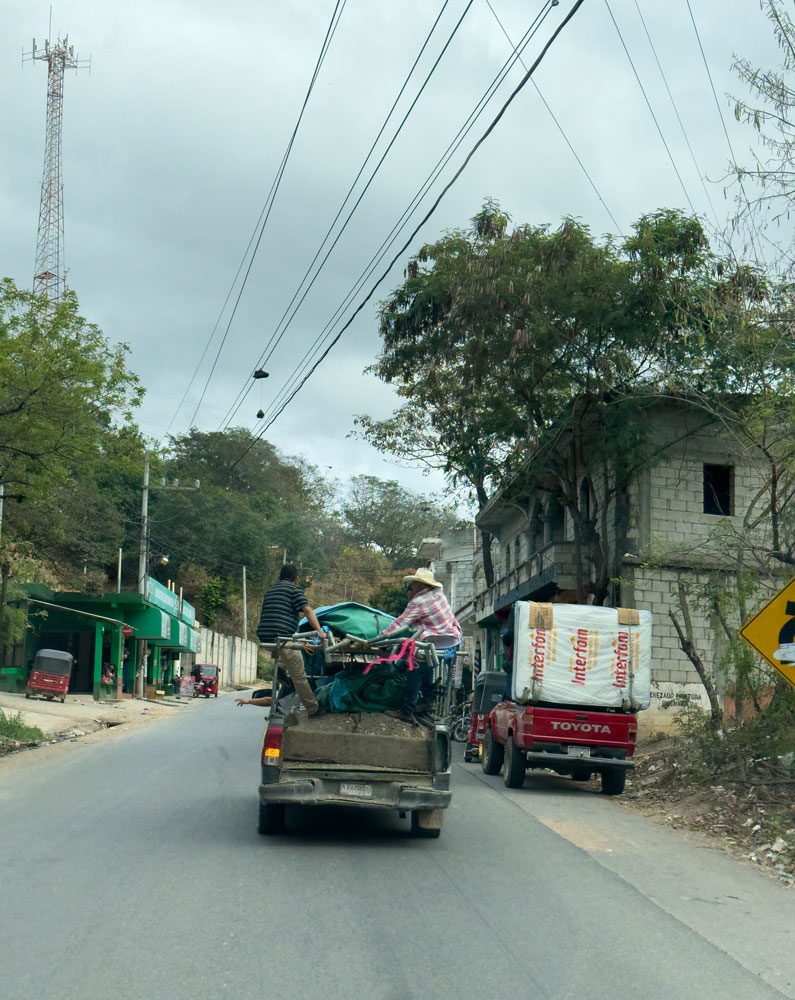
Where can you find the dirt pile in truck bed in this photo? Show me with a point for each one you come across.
(358, 738)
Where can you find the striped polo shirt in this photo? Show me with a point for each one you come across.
(281, 609)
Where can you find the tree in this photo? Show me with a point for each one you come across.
(353, 575)
(383, 515)
(770, 109)
(539, 336)
(391, 597)
(61, 385)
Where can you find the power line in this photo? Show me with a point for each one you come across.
(340, 5)
(676, 112)
(555, 120)
(246, 388)
(436, 171)
(261, 223)
(758, 252)
(277, 336)
(495, 121)
(651, 110)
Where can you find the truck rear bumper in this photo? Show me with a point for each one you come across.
(323, 790)
(578, 763)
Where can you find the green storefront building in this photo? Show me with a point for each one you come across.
(108, 635)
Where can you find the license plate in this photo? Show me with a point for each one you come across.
(356, 791)
(578, 751)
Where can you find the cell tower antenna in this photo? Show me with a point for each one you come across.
(49, 278)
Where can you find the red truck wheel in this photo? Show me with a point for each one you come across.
(613, 781)
(493, 754)
(515, 765)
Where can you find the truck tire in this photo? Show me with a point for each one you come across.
(493, 754)
(515, 765)
(613, 781)
(426, 823)
(271, 818)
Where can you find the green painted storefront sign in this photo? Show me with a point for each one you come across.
(164, 598)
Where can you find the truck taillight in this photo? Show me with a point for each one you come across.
(632, 728)
(272, 745)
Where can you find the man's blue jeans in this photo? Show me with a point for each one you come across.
(419, 681)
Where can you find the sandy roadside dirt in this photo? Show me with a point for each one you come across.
(81, 720)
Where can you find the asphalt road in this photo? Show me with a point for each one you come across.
(131, 868)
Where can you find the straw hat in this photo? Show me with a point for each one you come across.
(424, 576)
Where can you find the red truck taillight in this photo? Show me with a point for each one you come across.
(632, 728)
(272, 745)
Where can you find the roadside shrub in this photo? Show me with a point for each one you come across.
(13, 727)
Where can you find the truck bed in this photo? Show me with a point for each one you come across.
(357, 739)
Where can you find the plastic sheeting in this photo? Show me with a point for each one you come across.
(349, 618)
(575, 654)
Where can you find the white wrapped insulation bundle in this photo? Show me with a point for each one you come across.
(575, 654)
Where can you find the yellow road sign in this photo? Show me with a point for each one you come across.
(772, 632)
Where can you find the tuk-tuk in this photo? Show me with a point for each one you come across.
(52, 669)
(489, 691)
(206, 675)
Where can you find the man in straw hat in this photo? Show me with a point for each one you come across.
(429, 611)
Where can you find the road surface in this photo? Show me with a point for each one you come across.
(131, 868)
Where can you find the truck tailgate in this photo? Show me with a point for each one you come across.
(359, 738)
(606, 729)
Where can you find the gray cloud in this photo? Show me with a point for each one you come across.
(171, 144)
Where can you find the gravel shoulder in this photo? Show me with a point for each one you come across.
(753, 821)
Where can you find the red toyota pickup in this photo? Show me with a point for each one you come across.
(574, 741)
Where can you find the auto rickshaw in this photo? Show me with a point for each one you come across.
(206, 675)
(489, 691)
(50, 675)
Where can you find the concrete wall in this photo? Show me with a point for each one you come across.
(236, 657)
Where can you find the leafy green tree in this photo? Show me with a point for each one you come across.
(391, 597)
(61, 385)
(505, 342)
(382, 514)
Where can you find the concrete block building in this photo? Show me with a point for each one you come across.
(697, 488)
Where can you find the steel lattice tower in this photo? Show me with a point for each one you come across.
(49, 279)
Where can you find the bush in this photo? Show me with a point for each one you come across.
(13, 727)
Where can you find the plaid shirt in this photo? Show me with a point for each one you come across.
(430, 611)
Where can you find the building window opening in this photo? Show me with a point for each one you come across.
(517, 553)
(554, 522)
(536, 540)
(585, 499)
(718, 483)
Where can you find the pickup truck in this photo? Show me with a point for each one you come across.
(355, 758)
(567, 740)
(364, 759)
(580, 674)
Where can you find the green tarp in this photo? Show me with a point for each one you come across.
(381, 689)
(350, 618)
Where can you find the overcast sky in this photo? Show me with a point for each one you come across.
(171, 144)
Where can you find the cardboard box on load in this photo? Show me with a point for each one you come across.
(577, 654)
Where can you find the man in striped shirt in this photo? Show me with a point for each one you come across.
(284, 603)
